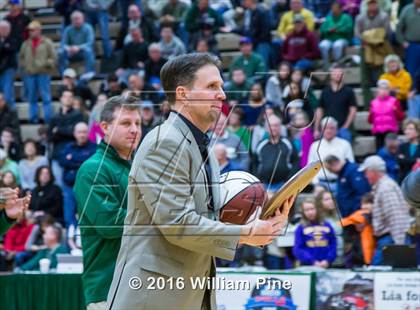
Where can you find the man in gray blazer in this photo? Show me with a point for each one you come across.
(172, 230)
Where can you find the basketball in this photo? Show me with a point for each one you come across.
(241, 193)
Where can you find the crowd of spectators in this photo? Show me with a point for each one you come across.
(272, 123)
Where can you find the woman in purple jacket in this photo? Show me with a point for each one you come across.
(315, 241)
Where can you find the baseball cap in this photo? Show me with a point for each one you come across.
(146, 104)
(373, 162)
(245, 40)
(70, 72)
(298, 18)
(34, 25)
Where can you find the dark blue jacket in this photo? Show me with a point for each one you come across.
(352, 185)
(391, 161)
(78, 155)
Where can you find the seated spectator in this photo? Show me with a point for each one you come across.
(345, 112)
(399, 79)
(112, 86)
(60, 131)
(52, 240)
(71, 158)
(362, 220)
(225, 164)
(352, 184)
(276, 156)
(409, 152)
(134, 55)
(286, 25)
(37, 59)
(254, 106)
(413, 100)
(235, 122)
(79, 89)
(315, 240)
(205, 45)
(276, 83)
(300, 46)
(8, 179)
(19, 20)
(80, 106)
(136, 19)
(201, 21)
(326, 205)
(65, 8)
(236, 150)
(170, 45)
(9, 48)
(389, 153)
(301, 135)
(336, 34)
(148, 118)
(329, 144)
(143, 90)
(42, 142)
(296, 101)
(10, 144)
(373, 30)
(390, 212)
(7, 164)
(237, 90)
(385, 113)
(47, 197)
(250, 62)
(77, 44)
(8, 118)
(29, 164)
(95, 132)
(153, 65)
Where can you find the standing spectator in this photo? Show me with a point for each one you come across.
(385, 113)
(65, 8)
(29, 165)
(408, 34)
(389, 153)
(352, 184)
(277, 157)
(300, 46)
(97, 13)
(7, 164)
(237, 90)
(373, 29)
(336, 34)
(286, 24)
(315, 241)
(60, 131)
(47, 198)
(225, 164)
(71, 158)
(79, 89)
(329, 144)
(236, 150)
(136, 19)
(344, 112)
(37, 58)
(154, 63)
(250, 62)
(276, 84)
(390, 215)
(399, 79)
(170, 45)
(8, 50)
(77, 43)
(8, 118)
(134, 55)
(19, 20)
(409, 152)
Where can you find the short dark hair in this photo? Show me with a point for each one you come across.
(129, 102)
(331, 159)
(181, 70)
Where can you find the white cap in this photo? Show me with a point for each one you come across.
(70, 72)
(373, 162)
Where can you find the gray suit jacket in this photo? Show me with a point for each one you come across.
(169, 231)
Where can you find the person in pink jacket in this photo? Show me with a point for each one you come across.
(385, 113)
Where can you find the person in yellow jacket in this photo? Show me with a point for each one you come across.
(286, 24)
(398, 78)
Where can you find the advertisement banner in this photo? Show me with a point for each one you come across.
(397, 290)
(265, 290)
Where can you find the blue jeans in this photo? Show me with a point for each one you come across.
(69, 206)
(412, 59)
(87, 55)
(57, 171)
(7, 78)
(337, 47)
(414, 107)
(273, 262)
(264, 49)
(380, 244)
(39, 83)
(345, 133)
(101, 18)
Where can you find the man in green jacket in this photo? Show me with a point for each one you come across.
(100, 190)
(11, 207)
